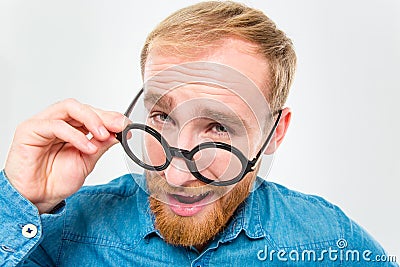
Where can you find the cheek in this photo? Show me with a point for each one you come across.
(153, 152)
(218, 164)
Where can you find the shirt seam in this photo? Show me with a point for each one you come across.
(90, 240)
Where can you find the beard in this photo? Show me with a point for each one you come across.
(199, 229)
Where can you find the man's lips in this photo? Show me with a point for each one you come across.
(190, 199)
(185, 205)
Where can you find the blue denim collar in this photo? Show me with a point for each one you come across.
(247, 218)
(146, 216)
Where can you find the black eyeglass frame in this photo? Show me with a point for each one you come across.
(170, 152)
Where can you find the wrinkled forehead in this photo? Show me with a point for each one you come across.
(210, 85)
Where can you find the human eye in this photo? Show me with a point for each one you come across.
(220, 130)
(161, 118)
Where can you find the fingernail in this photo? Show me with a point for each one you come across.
(103, 131)
(120, 122)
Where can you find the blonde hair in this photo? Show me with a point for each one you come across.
(202, 25)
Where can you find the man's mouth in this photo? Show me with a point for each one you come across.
(188, 205)
(190, 199)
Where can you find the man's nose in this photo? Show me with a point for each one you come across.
(177, 173)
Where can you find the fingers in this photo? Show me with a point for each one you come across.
(70, 121)
(47, 145)
(114, 121)
(46, 132)
(98, 122)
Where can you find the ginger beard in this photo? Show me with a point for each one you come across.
(200, 228)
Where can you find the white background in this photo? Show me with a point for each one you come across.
(344, 140)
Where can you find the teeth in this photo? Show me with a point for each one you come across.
(190, 199)
(199, 195)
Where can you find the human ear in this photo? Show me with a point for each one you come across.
(280, 131)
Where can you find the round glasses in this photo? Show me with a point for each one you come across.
(213, 163)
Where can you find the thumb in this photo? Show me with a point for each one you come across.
(102, 147)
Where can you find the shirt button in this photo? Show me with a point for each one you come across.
(29, 230)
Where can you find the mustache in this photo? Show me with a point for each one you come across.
(159, 185)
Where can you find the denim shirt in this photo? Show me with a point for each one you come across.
(112, 225)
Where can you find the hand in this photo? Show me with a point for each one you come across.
(51, 156)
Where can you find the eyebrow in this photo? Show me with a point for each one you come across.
(167, 103)
(224, 118)
(163, 101)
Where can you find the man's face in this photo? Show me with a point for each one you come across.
(189, 112)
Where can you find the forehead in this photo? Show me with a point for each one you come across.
(204, 89)
(236, 53)
(232, 74)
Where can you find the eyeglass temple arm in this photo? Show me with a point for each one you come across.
(271, 133)
(132, 104)
(128, 112)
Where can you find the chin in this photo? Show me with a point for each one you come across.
(193, 230)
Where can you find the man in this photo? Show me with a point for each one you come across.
(216, 75)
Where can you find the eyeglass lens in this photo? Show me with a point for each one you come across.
(211, 162)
